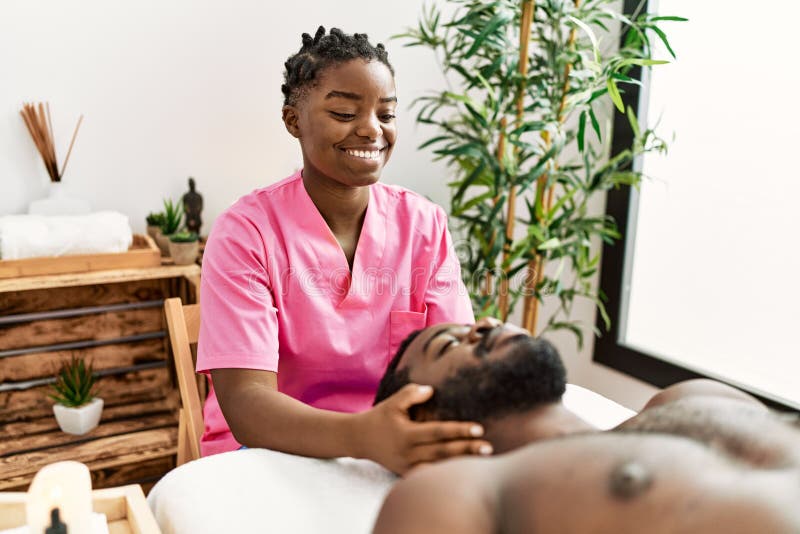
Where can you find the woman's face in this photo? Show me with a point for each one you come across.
(345, 123)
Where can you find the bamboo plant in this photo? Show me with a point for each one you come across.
(522, 135)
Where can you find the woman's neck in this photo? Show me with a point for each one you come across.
(342, 207)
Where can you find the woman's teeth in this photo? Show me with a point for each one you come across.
(364, 154)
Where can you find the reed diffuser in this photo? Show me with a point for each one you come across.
(40, 126)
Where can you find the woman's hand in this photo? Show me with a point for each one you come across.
(387, 435)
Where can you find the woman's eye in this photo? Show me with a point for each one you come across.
(343, 116)
(387, 117)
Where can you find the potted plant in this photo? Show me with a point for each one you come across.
(520, 125)
(154, 222)
(183, 247)
(169, 225)
(77, 409)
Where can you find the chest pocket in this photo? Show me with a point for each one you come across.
(401, 324)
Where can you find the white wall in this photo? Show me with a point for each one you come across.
(180, 88)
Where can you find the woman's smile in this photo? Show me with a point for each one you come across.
(368, 155)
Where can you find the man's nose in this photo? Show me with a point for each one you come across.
(481, 325)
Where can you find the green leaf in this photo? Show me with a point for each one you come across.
(672, 18)
(588, 31)
(563, 199)
(642, 62)
(491, 26)
(433, 140)
(572, 327)
(473, 202)
(581, 130)
(470, 180)
(664, 39)
(613, 92)
(595, 123)
(634, 122)
(550, 244)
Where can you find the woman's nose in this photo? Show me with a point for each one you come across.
(370, 128)
(481, 326)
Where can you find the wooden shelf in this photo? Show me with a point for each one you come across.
(99, 277)
(115, 319)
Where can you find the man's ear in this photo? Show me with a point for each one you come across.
(290, 119)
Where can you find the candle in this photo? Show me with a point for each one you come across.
(63, 485)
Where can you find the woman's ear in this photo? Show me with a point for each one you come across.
(290, 119)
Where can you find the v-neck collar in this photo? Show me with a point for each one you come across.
(336, 274)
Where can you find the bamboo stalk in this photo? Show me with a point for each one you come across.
(530, 316)
(501, 150)
(526, 20)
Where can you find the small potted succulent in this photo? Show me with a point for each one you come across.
(77, 409)
(173, 217)
(154, 222)
(183, 247)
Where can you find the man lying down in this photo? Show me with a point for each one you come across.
(701, 456)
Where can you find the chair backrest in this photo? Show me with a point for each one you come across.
(183, 323)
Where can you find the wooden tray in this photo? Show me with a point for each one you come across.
(143, 253)
(125, 508)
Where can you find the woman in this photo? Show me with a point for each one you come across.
(310, 284)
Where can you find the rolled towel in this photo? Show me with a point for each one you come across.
(31, 236)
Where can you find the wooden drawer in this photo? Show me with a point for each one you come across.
(115, 318)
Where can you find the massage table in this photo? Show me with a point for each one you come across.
(258, 490)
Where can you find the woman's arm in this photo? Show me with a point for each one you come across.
(261, 416)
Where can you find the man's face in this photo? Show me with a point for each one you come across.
(478, 372)
(441, 351)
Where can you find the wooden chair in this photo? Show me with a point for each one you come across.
(183, 323)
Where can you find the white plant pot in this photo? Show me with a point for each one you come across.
(80, 420)
(59, 202)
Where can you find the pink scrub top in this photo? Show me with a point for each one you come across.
(277, 294)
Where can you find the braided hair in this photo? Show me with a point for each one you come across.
(322, 51)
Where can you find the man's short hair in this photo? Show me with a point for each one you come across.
(394, 380)
(530, 374)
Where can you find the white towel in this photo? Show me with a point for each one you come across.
(31, 236)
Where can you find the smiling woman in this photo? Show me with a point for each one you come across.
(324, 273)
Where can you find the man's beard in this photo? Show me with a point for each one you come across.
(529, 375)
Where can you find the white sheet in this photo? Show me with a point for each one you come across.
(258, 490)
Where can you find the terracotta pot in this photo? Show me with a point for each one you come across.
(184, 253)
(153, 230)
(79, 420)
(163, 243)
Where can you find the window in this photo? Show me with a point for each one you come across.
(706, 283)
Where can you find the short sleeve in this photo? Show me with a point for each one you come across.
(239, 322)
(447, 298)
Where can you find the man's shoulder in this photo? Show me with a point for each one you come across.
(450, 496)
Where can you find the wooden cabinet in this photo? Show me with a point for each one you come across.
(114, 318)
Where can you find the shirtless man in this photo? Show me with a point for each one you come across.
(700, 457)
